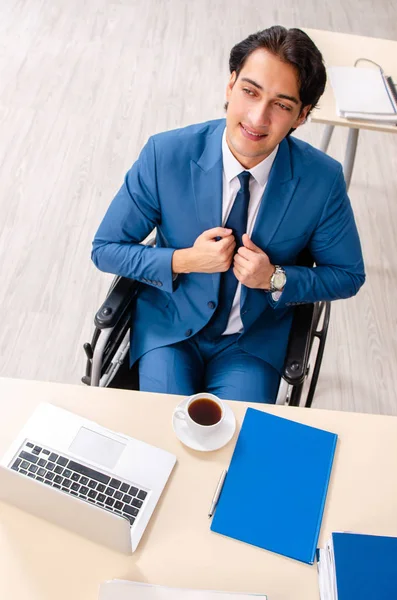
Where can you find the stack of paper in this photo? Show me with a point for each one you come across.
(363, 94)
(132, 590)
(355, 566)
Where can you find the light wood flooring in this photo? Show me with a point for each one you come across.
(83, 84)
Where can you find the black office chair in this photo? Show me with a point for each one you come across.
(108, 352)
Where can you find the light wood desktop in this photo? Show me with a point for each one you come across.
(40, 561)
(342, 49)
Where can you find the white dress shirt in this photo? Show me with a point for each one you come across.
(231, 185)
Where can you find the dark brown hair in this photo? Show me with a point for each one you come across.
(291, 46)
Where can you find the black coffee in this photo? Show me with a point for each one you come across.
(205, 411)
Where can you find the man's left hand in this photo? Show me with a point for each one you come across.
(252, 266)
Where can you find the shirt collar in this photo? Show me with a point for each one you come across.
(232, 168)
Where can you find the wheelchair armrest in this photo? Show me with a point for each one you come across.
(119, 298)
(122, 292)
(299, 345)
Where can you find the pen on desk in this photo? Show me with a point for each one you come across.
(217, 494)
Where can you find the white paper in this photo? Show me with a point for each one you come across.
(360, 90)
(326, 573)
(131, 590)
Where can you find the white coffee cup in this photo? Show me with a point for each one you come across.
(200, 412)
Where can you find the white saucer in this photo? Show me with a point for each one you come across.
(214, 441)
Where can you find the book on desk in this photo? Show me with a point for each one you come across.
(358, 566)
(364, 94)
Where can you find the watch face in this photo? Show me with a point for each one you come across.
(279, 280)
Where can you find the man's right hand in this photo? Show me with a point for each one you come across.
(212, 252)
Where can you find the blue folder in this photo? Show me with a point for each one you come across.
(275, 489)
(365, 566)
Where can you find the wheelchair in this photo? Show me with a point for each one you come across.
(107, 355)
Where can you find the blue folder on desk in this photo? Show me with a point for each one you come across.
(365, 566)
(275, 489)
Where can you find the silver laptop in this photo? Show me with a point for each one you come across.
(73, 472)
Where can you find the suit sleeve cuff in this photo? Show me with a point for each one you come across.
(158, 269)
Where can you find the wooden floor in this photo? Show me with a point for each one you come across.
(83, 84)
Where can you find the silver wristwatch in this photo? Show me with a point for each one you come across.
(278, 279)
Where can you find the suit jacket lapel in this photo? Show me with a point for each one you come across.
(276, 197)
(207, 176)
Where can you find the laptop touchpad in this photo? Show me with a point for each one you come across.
(97, 447)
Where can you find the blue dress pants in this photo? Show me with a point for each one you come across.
(219, 366)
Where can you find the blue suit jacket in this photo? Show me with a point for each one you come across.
(176, 186)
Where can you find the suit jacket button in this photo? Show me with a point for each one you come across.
(159, 283)
(188, 332)
(211, 305)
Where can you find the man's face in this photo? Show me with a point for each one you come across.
(263, 106)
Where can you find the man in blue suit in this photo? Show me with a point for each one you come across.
(233, 202)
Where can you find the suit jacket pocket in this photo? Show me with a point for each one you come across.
(155, 297)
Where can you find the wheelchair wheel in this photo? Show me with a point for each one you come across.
(320, 332)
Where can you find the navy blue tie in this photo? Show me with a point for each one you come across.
(237, 221)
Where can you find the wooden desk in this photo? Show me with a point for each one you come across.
(342, 49)
(40, 561)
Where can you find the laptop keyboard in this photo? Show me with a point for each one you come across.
(77, 479)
